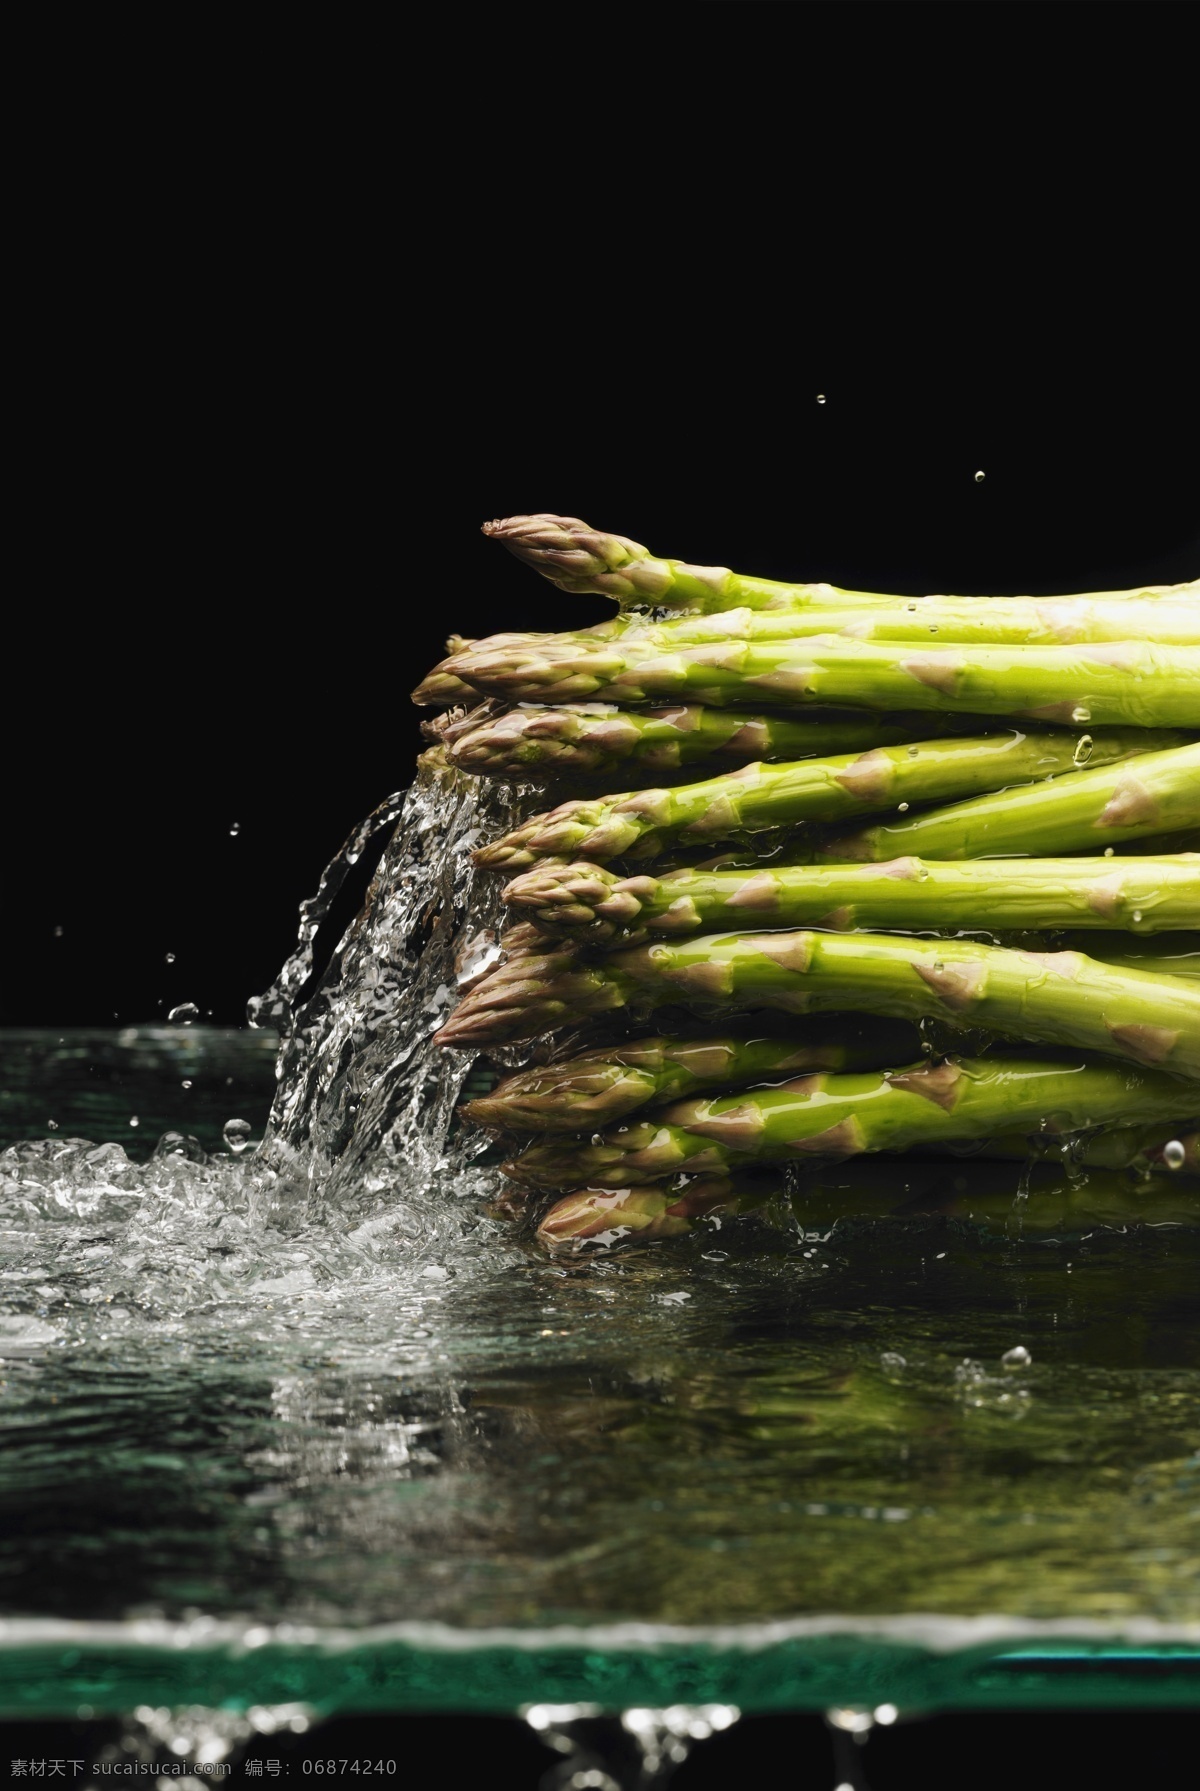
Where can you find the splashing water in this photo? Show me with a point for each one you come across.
(360, 1167)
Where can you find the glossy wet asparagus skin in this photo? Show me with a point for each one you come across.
(1122, 683)
(594, 740)
(599, 1087)
(844, 1115)
(760, 797)
(1085, 811)
(579, 559)
(1148, 895)
(1056, 997)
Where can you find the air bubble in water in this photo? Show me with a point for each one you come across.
(1083, 749)
(185, 1013)
(1017, 1357)
(1081, 712)
(236, 1133)
(1174, 1154)
(979, 478)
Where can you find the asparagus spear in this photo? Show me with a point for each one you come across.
(1144, 895)
(597, 739)
(759, 797)
(1167, 954)
(869, 1186)
(611, 1082)
(1060, 997)
(998, 621)
(843, 1115)
(577, 558)
(1086, 809)
(1128, 682)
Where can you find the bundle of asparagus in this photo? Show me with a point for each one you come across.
(991, 832)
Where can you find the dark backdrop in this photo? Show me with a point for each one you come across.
(244, 566)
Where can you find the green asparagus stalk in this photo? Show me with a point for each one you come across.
(578, 559)
(598, 739)
(870, 1187)
(1170, 1149)
(607, 1084)
(998, 621)
(1144, 895)
(1123, 682)
(760, 797)
(843, 1115)
(1058, 997)
(1099, 806)
(1167, 954)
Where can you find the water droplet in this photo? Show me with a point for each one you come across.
(186, 1083)
(1017, 1357)
(979, 478)
(58, 932)
(892, 1358)
(1137, 915)
(185, 1013)
(1174, 1154)
(1081, 712)
(912, 606)
(170, 958)
(52, 1124)
(134, 1120)
(235, 827)
(1108, 851)
(933, 628)
(1083, 749)
(902, 807)
(820, 397)
(236, 1133)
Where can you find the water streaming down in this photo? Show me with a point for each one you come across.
(315, 1383)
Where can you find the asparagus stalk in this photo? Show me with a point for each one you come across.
(869, 1186)
(1167, 954)
(997, 621)
(598, 739)
(1145, 895)
(1099, 806)
(843, 1115)
(578, 559)
(607, 1084)
(759, 797)
(1058, 997)
(1123, 682)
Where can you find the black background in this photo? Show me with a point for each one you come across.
(297, 315)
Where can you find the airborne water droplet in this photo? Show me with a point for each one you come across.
(170, 958)
(1108, 851)
(820, 397)
(134, 1120)
(1174, 1154)
(979, 477)
(1017, 1357)
(236, 1133)
(185, 1013)
(1081, 712)
(1083, 749)
(1137, 915)
(892, 1358)
(235, 827)
(902, 807)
